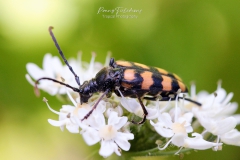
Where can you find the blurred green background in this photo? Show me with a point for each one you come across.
(197, 40)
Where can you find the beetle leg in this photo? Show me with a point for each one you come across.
(145, 113)
(95, 105)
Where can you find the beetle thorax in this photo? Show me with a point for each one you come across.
(107, 78)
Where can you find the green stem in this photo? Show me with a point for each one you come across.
(154, 152)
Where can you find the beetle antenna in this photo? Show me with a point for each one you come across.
(62, 55)
(190, 100)
(46, 78)
(172, 99)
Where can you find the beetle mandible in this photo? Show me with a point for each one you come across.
(132, 79)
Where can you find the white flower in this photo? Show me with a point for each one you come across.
(71, 116)
(215, 115)
(176, 127)
(52, 68)
(216, 105)
(217, 126)
(94, 129)
(65, 118)
(109, 135)
(176, 130)
(167, 128)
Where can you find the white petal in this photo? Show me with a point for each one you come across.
(35, 71)
(72, 128)
(113, 118)
(78, 122)
(152, 113)
(165, 119)
(232, 137)
(57, 65)
(121, 123)
(178, 139)
(96, 121)
(201, 96)
(81, 112)
(29, 79)
(227, 99)
(107, 148)
(122, 141)
(116, 121)
(128, 136)
(117, 150)
(224, 126)
(107, 60)
(56, 123)
(198, 142)
(193, 91)
(67, 108)
(188, 128)
(101, 107)
(229, 109)
(130, 104)
(207, 101)
(50, 89)
(52, 65)
(165, 132)
(205, 121)
(90, 136)
(237, 117)
(91, 64)
(47, 62)
(221, 94)
(188, 116)
(118, 109)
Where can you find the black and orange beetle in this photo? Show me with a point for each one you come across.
(132, 79)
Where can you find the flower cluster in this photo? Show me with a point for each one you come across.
(179, 123)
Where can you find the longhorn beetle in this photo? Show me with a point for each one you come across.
(132, 79)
